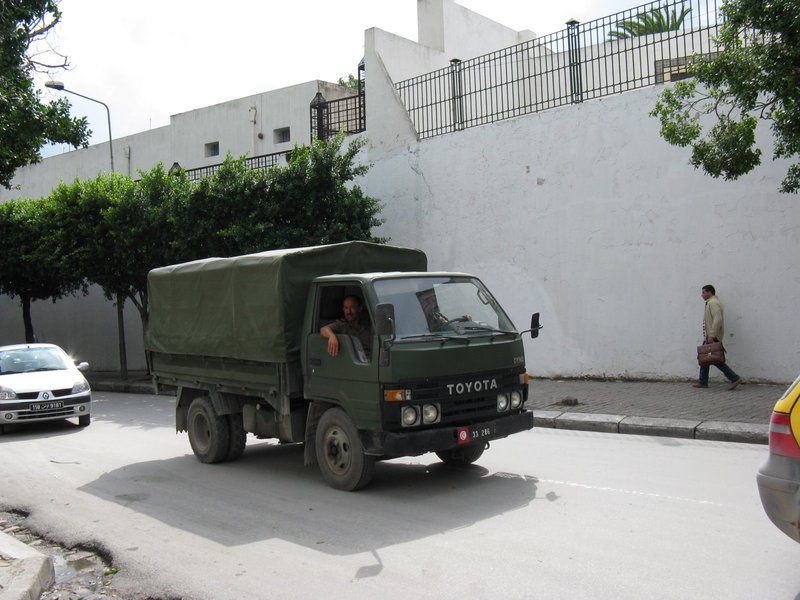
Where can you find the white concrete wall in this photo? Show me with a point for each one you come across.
(236, 125)
(585, 214)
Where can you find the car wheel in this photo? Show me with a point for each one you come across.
(238, 436)
(463, 455)
(209, 433)
(84, 420)
(340, 453)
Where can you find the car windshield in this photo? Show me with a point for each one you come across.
(438, 307)
(29, 360)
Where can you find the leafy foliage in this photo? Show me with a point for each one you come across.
(350, 81)
(26, 123)
(754, 77)
(32, 266)
(111, 230)
(656, 20)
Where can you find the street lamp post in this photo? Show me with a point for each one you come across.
(123, 354)
(57, 85)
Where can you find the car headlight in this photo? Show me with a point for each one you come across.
(7, 394)
(516, 399)
(430, 414)
(409, 416)
(502, 402)
(80, 386)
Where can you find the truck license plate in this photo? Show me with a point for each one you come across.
(46, 405)
(467, 435)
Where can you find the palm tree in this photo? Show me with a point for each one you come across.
(656, 20)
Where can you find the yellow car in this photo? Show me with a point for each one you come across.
(779, 476)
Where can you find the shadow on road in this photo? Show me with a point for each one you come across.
(268, 493)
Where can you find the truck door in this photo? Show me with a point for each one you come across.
(349, 379)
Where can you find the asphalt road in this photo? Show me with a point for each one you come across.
(544, 514)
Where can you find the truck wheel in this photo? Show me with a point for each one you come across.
(463, 455)
(209, 433)
(340, 454)
(238, 436)
(85, 420)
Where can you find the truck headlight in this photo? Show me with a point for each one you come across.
(502, 402)
(430, 414)
(409, 416)
(7, 394)
(516, 399)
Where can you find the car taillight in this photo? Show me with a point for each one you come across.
(781, 438)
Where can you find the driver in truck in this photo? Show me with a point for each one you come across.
(354, 323)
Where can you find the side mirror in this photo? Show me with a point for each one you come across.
(384, 319)
(535, 327)
(84, 366)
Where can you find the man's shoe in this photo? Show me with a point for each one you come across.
(733, 385)
(701, 385)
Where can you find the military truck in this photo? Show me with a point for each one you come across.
(239, 340)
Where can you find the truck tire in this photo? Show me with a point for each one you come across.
(463, 455)
(340, 454)
(209, 433)
(238, 436)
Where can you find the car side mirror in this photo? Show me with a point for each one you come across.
(84, 366)
(385, 319)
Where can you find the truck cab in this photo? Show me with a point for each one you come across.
(444, 372)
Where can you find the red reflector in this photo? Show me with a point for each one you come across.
(464, 435)
(781, 439)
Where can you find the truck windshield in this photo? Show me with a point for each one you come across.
(442, 306)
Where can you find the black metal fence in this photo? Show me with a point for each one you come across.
(349, 114)
(262, 162)
(631, 49)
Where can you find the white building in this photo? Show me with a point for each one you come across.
(581, 212)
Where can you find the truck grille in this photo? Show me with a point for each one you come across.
(462, 400)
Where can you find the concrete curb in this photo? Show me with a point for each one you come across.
(25, 573)
(749, 433)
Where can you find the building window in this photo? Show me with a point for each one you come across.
(674, 69)
(282, 135)
(212, 149)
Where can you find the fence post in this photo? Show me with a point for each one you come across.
(362, 97)
(574, 45)
(318, 108)
(457, 88)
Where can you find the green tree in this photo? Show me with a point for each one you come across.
(223, 214)
(350, 81)
(32, 265)
(656, 20)
(26, 123)
(314, 200)
(754, 77)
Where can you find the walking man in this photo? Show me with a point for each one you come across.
(714, 331)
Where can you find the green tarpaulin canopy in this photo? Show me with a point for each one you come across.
(252, 307)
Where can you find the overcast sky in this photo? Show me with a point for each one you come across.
(151, 59)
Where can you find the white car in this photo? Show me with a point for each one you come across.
(39, 382)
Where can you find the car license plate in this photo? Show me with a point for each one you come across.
(36, 406)
(468, 435)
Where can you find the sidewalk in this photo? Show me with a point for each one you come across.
(673, 409)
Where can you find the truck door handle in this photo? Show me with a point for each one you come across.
(315, 362)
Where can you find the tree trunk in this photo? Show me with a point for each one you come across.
(123, 353)
(25, 301)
